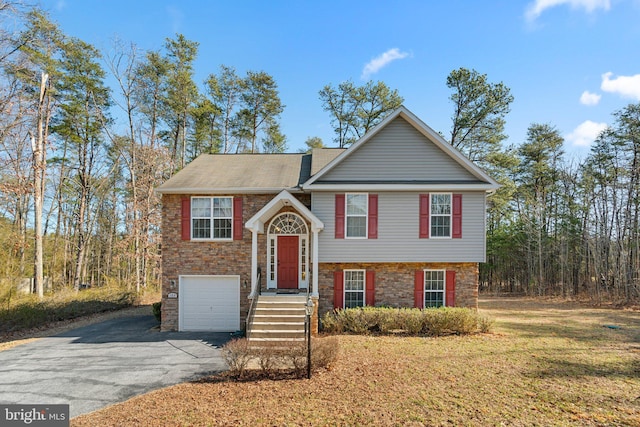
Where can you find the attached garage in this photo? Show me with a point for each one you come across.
(209, 303)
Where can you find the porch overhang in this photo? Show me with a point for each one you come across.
(284, 198)
(256, 225)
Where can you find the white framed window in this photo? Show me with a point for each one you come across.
(434, 288)
(303, 258)
(272, 259)
(357, 209)
(440, 213)
(211, 218)
(354, 288)
(288, 223)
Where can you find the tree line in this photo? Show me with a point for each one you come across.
(567, 227)
(79, 162)
(79, 159)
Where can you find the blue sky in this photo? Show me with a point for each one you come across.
(570, 63)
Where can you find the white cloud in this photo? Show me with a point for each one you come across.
(380, 61)
(535, 9)
(586, 133)
(177, 17)
(627, 86)
(588, 98)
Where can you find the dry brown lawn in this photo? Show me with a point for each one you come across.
(547, 363)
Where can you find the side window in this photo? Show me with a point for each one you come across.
(440, 215)
(356, 215)
(434, 287)
(354, 288)
(211, 218)
(222, 217)
(200, 217)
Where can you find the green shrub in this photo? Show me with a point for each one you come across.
(450, 320)
(331, 322)
(357, 321)
(485, 324)
(434, 322)
(362, 320)
(462, 321)
(412, 321)
(388, 320)
(157, 310)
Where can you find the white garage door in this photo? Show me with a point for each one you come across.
(209, 303)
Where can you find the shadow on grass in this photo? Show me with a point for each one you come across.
(251, 375)
(563, 368)
(592, 329)
(525, 304)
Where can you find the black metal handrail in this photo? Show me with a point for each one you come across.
(252, 306)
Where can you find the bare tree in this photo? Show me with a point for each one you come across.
(39, 46)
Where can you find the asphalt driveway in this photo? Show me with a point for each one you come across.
(105, 363)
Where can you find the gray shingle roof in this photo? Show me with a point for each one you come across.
(322, 156)
(211, 173)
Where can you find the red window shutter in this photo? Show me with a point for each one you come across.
(338, 289)
(186, 218)
(370, 297)
(418, 289)
(237, 218)
(450, 286)
(339, 216)
(456, 216)
(424, 216)
(373, 216)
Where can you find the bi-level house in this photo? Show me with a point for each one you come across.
(396, 219)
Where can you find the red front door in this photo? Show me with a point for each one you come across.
(287, 262)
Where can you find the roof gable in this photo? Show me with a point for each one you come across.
(398, 153)
(401, 150)
(284, 198)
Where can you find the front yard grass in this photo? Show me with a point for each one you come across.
(546, 363)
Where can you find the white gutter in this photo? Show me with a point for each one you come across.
(229, 190)
(400, 187)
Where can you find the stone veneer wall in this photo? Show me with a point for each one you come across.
(394, 282)
(182, 257)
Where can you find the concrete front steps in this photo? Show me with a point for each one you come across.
(278, 319)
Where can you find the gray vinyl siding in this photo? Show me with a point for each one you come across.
(399, 153)
(398, 230)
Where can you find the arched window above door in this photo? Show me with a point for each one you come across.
(288, 223)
